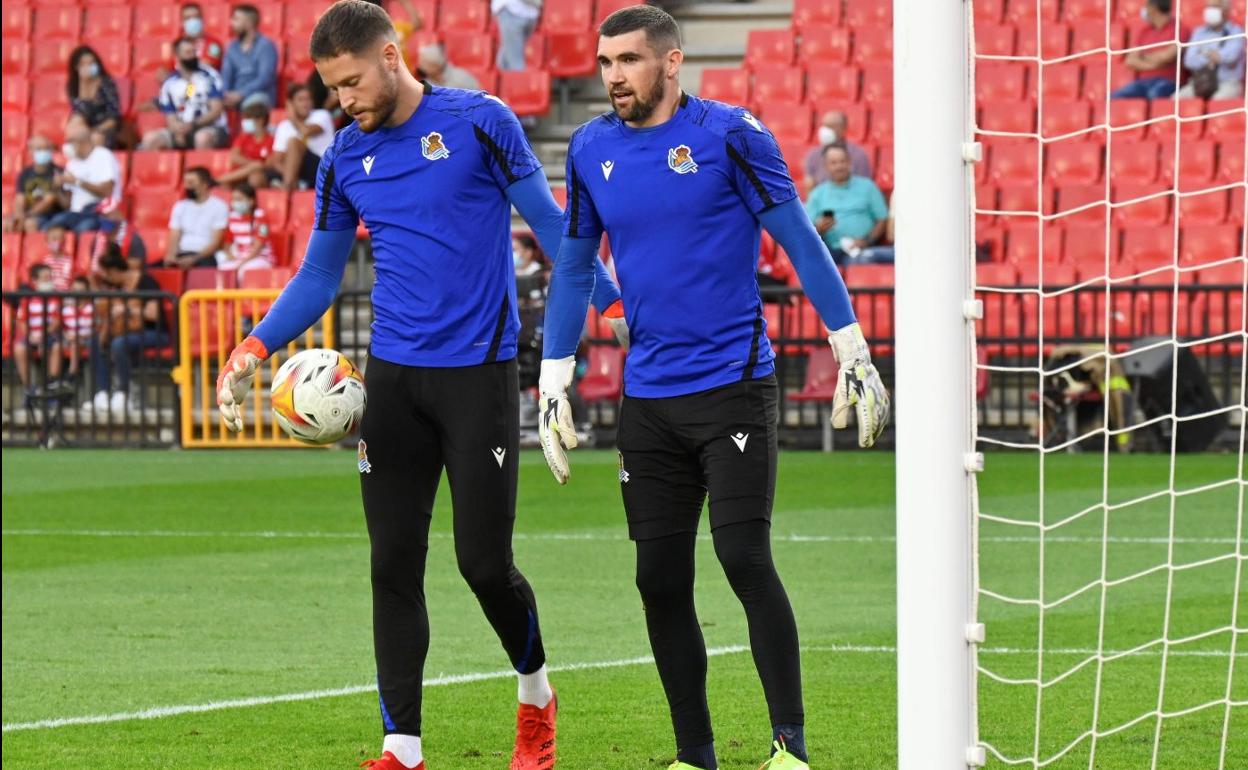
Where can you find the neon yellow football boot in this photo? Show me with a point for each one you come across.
(783, 760)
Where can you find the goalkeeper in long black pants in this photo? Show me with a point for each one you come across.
(680, 186)
(434, 173)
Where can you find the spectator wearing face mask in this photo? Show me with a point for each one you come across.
(248, 237)
(1225, 59)
(93, 93)
(191, 101)
(1154, 66)
(832, 128)
(36, 198)
(249, 71)
(251, 154)
(197, 223)
(133, 326)
(115, 229)
(60, 262)
(90, 177)
(77, 325)
(301, 139)
(38, 331)
(208, 49)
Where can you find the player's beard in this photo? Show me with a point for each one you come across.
(387, 100)
(645, 104)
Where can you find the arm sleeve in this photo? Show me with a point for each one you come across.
(228, 68)
(760, 175)
(507, 153)
(571, 284)
(310, 293)
(791, 228)
(531, 197)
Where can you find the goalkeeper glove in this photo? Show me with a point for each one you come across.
(615, 317)
(858, 385)
(554, 423)
(235, 379)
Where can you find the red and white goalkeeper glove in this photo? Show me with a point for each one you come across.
(858, 385)
(615, 317)
(235, 380)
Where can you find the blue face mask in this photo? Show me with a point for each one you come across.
(42, 157)
(193, 26)
(93, 70)
(241, 208)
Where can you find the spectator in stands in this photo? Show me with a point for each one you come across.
(207, 48)
(516, 22)
(93, 93)
(251, 155)
(250, 69)
(848, 211)
(191, 99)
(526, 255)
(115, 229)
(301, 139)
(832, 130)
(1154, 67)
(323, 98)
(1222, 63)
(38, 331)
(60, 262)
(36, 198)
(249, 242)
(77, 324)
(435, 68)
(91, 176)
(133, 325)
(197, 223)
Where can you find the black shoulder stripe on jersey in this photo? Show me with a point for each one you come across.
(322, 222)
(754, 343)
(574, 202)
(492, 355)
(750, 174)
(499, 157)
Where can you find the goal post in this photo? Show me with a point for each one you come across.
(936, 724)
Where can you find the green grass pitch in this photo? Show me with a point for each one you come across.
(136, 580)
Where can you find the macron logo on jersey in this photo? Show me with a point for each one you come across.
(753, 121)
(607, 167)
(368, 164)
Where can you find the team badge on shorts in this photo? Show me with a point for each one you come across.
(362, 454)
(432, 148)
(680, 160)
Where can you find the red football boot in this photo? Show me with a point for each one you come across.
(535, 737)
(389, 761)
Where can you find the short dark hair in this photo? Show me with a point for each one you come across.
(112, 258)
(203, 173)
(248, 9)
(1161, 5)
(192, 5)
(662, 33)
(350, 27)
(183, 39)
(256, 109)
(837, 145)
(245, 189)
(37, 268)
(295, 88)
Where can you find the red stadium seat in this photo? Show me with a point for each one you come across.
(778, 83)
(769, 46)
(49, 124)
(831, 83)
(999, 81)
(788, 121)
(1062, 118)
(1238, 210)
(1055, 274)
(873, 46)
(302, 215)
(487, 77)
(170, 279)
(994, 39)
(1162, 123)
(1090, 35)
(808, 12)
(473, 50)
(272, 17)
(1122, 113)
(14, 162)
(1019, 197)
(152, 209)
(16, 57)
(1084, 247)
(1203, 209)
(527, 91)
(149, 120)
(216, 161)
(1092, 10)
(1227, 126)
(572, 54)
(302, 15)
(51, 57)
(1133, 163)
(1209, 243)
(1022, 12)
(264, 278)
(49, 93)
(16, 22)
(881, 122)
(62, 22)
(16, 89)
(608, 7)
(824, 43)
(604, 380)
(1197, 162)
(1191, 120)
(535, 51)
(567, 16)
(426, 9)
(155, 170)
(1008, 117)
(114, 53)
(1015, 163)
(1148, 248)
(105, 21)
(877, 83)
(1226, 274)
(1061, 82)
(1231, 161)
(1074, 162)
(1054, 40)
(276, 205)
(157, 22)
(150, 55)
(864, 14)
(1081, 204)
(464, 16)
(726, 84)
(16, 129)
(1153, 209)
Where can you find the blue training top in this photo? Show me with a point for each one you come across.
(680, 204)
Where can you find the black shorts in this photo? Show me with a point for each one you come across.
(674, 451)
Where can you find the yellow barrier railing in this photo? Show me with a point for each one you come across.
(210, 323)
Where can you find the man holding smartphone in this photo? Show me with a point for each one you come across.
(848, 211)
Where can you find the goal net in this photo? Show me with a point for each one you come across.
(1109, 532)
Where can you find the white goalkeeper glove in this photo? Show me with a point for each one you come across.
(554, 422)
(235, 378)
(858, 385)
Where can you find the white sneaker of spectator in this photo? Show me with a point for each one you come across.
(99, 403)
(117, 403)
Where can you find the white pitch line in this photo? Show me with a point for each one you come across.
(159, 712)
(585, 536)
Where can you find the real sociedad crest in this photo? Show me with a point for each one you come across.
(680, 160)
(432, 148)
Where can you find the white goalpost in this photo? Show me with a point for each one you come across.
(1095, 615)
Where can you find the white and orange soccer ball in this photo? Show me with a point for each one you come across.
(318, 396)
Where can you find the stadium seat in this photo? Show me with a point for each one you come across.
(1084, 247)
(1147, 248)
(170, 279)
(868, 14)
(1197, 162)
(1203, 209)
(1023, 12)
(1122, 113)
(1060, 118)
(276, 205)
(472, 50)
(1231, 162)
(824, 43)
(108, 21)
(1017, 163)
(873, 46)
(216, 161)
(1008, 117)
(526, 91)
(788, 121)
(15, 127)
(464, 16)
(155, 170)
(1162, 123)
(1209, 243)
(264, 278)
(426, 9)
(14, 162)
(114, 53)
(150, 55)
(769, 46)
(607, 7)
(810, 12)
(156, 239)
(152, 208)
(535, 51)
(51, 57)
(49, 124)
(272, 17)
(999, 81)
(1074, 162)
(302, 214)
(299, 247)
(778, 83)
(877, 83)
(16, 91)
(157, 22)
(881, 122)
(1228, 126)
(1238, 210)
(604, 380)
(1133, 163)
(1191, 120)
(16, 58)
(1062, 82)
(1054, 40)
(1090, 35)
(831, 83)
(1081, 204)
(302, 15)
(1154, 209)
(884, 175)
(57, 22)
(572, 54)
(49, 93)
(1055, 274)
(567, 16)
(726, 84)
(1225, 274)
(16, 22)
(1023, 197)
(994, 39)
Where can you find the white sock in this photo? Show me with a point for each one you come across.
(405, 748)
(535, 688)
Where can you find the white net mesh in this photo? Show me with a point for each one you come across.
(1111, 539)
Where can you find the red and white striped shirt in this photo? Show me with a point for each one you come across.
(241, 232)
(62, 270)
(38, 312)
(78, 319)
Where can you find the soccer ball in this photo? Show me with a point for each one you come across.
(318, 396)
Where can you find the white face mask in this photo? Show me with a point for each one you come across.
(249, 126)
(1213, 16)
(45, 286)
(827, 135)
(67, 150)
(1144, 13)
